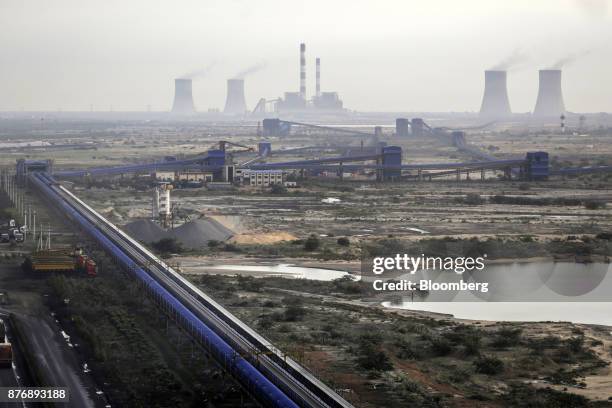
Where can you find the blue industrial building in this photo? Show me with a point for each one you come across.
(276, 127)
(264, 148)
(537, 165)
(392, 156)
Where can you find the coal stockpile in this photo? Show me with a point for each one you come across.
(145, 231)
(198, 233)
(192, 235)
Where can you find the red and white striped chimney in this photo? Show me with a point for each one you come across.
(318, 77)
(303, 70)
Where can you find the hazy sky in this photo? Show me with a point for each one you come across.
(379, 55)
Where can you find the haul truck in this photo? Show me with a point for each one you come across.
(61, 260)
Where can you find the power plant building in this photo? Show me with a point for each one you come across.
(495, 101)
(324, 100)
(550, 96)
(328, 101)
(298, 101)
(260, 178)
(291, 102)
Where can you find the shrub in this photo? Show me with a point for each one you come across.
(167, 245)
(506, 337)
(213, 243)
(594, 205)
(343, 241)
(471, 344)
(312, 243)
(523, 396)
(294, 313)
(278, 189)
(575, 344)
(372, 359)
(488, 365)
(440, 346)
(231, 248)
(473, 199)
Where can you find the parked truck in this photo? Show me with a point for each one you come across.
(13, 232)
(16, 234)
(60, 260)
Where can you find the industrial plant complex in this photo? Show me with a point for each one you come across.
(189, 211)
(253, 239)
(495, 101)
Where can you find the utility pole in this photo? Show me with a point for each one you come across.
(34, 226)
(40, 239)
(25, 222)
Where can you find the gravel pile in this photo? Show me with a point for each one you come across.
(198, 233)
(145, 231)
(192, 234)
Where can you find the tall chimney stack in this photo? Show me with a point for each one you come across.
(183, 98)
(303, 71)
(318, 77)
(235, 102)
(495, 102)
(550, 96)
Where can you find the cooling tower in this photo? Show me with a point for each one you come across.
(303, 71)
(235, 102)
(550, 98)
(495, 102)
(183, 99)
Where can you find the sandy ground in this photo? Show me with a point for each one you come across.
(262, 238)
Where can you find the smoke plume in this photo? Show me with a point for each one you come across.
(199, 73)
(568, 59)
(511, 61)
(250, 70)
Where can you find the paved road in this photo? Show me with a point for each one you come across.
(11, 376)
(7, 379)
(59, 366)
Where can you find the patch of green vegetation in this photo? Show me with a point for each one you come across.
(488, 365)
(378, 346)
(167, 246)
(117, 328)
(522, 396)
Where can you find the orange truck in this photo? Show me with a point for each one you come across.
(61, 260)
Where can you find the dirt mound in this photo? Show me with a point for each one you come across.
(263, 238)
(145, 231)
(198, 233)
